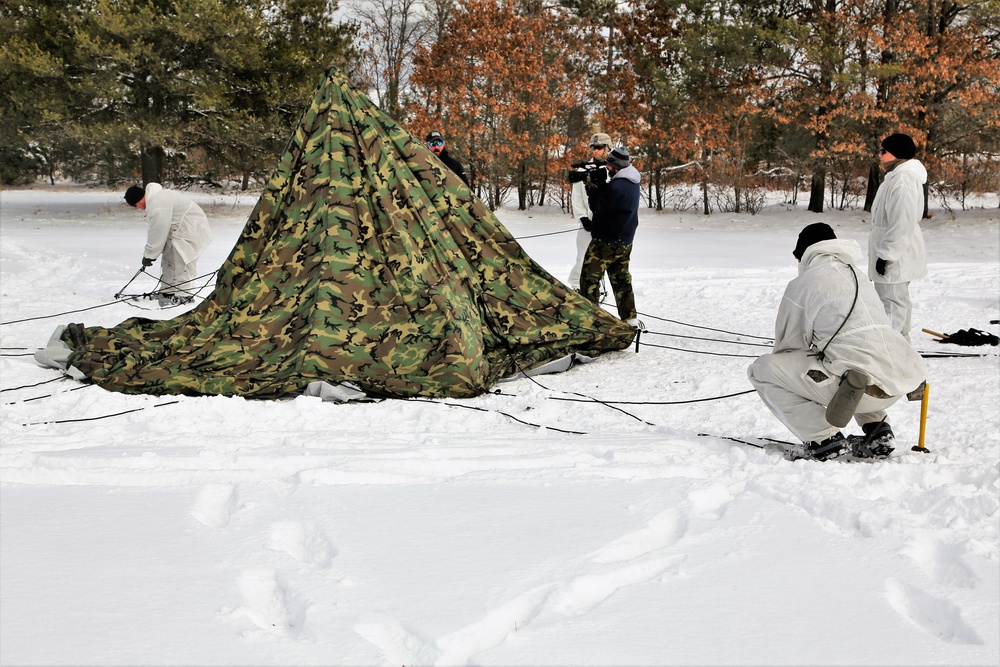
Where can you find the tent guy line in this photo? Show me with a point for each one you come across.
(37, 384)
(38, 398)
(90, 419)
(161, 286)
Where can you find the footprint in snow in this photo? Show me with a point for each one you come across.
(397, 645)
(215, 505)
(589, 590)
(942, 562)
(544, 604)
(303, 542)
(710, 503)
(270, 604)
(663, 530)
(938, 618)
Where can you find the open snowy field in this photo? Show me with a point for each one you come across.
(516, 528)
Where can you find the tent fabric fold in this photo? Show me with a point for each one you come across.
(365, 260)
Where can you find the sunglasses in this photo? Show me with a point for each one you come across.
(599, 148)
(435, 143)
(882, 151)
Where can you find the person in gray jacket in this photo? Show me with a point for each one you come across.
(179, 231)
(614, 208)
(896, 252)
(830, 321)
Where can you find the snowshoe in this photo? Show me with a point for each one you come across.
(833, 447)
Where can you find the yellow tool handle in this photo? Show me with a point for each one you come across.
(923, 416)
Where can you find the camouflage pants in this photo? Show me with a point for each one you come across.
(603, 256)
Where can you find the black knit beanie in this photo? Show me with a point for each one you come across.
(900, 145)
(814, 233)
(134, 195)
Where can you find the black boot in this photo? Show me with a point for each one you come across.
(877, 442)
(831, 448)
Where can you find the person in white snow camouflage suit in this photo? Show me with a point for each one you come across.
(583, 177)
(896, 252)
(830, 320)
(179, 231)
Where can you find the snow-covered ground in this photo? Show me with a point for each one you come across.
(213, 530)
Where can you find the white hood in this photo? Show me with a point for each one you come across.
(832, 306)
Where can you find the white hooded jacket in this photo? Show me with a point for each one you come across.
(896, 235)
(174, 217)
(818, 301)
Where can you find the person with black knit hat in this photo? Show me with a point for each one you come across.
(615, 210)
(178, 231)
(896, 251)
(830, 321)
(435, 142)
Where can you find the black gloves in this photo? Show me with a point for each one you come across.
(585, 221)
(147, 262)
(880, 266)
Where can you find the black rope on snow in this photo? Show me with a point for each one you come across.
(499, 412)
(170, 289)
(38, 398)
(714, 354)
(119, 298)
(535, 236)
(713, 340)
(488, 317)
(694, 400)
(697, 326)
(68, 312)
(20, 354)
(142, 269)
(37, 384)
(748, 442)
(91, 419)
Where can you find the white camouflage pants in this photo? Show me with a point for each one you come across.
(799, 401)
(583, 238)
(895, 298)
(176, 277)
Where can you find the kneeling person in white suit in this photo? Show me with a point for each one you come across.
(830, 321)
(178, 230)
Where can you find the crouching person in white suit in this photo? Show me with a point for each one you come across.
(831, 321)
(179, 231)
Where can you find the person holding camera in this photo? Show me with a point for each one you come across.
(584, 176)
(615, 210)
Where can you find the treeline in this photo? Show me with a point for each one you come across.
(177, 91)
(718, 100)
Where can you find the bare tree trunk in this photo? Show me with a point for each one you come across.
(817, 190)
(874, 176)
(153, 158)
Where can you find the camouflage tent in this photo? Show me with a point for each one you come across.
(365, 260)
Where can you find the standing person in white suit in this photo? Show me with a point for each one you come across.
(830, 321)
(896, 252)
(584, 176)
(179, 231)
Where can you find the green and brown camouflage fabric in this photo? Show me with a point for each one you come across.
(365, 260)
